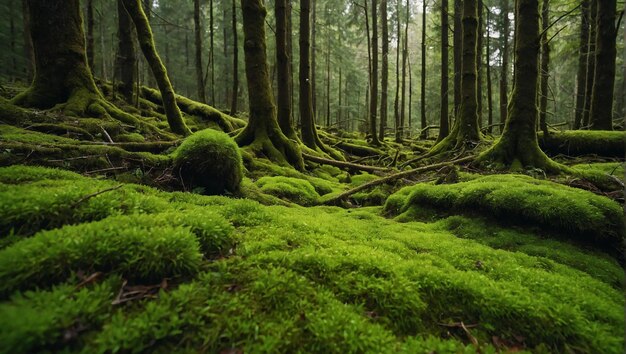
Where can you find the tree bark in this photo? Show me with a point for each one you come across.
(444, 128)
(212, 51)
(29, 52)
(489, 86)
(146, 42)
(283, 71)
(583, 53)
(374, 84)
(262, 133)
(518, 148)
(545, 66)
(384, 82)
(198, 54)
(601, 116)
(458, 53)
(126, 58)
(504, 73)
(479, 63)
(313, 57)
(233, 102)
(424, 132)
(405, 54)
(396, 103)
(90, 36)
(591, 62)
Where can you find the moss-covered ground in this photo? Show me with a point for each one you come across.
(104, 249)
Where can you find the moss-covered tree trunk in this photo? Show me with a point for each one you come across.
(235, 97)
(504, 73)
(283, 72)
(517, 148)
(262, 134)
(457, 40)
(126, 58)
(583, 52)
(465, 132)
(591, 63)
(444, 128)
(601, 116)
(146, 42)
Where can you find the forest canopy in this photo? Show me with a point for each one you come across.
(230, 176)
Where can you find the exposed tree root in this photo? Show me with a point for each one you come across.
(391, 178)
(272, 144)
(343, 164)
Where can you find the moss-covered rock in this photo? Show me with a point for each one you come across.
(211, 161)
(573, 213)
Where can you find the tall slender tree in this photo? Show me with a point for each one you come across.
(126, 71)
(424, 132)
(458, 53)
(396, 102)
(488, 72)
(384, 83)
(374, 83)
(444, 128)
(591, 62)
(545, 66)
(235, 97)
(198, 54)
(262, 133)
(518, 147)
(601, 116)
(283, 71)
(405, 55)
(583, 52)
(504, 73)
(465, 132)
(90, 38)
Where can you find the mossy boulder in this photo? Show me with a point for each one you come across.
(210, 161)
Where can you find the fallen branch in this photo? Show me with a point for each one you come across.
(89, 196)
(344, 164)
(390, 178)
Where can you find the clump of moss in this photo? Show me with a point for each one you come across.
(209, 160)
(293, 189)
(131, 138)
(517, 199)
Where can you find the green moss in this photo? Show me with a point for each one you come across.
(209, 160)
(13, 134)
(574, 214)
(610, 168)
(295, 190)
(131, 138)
(585, 142)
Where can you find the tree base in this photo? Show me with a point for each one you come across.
(504, 155)
(273, 145)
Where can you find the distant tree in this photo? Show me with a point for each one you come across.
(384, 81)
(591, 62)
(504, 73)
(424, 123)
(458, 53)
(262, 133)
(283, 71)
(518, 148)
(374, 82)
(545, 66)
(233, 102)
(126, 66)
(444, 128)
(200, 87)
(583, 53)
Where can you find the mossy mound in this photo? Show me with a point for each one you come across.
(280, 279)
(295, 190)
(209, 160)
(584, 142)
(515, 199)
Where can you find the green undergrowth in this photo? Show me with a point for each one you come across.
(252, 278)
(573, 214)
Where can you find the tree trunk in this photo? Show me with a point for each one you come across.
(262, 133)
(424, 133)
(233, 102)
(374, 84)
(283, 71)
(591, 62)
(517, 148)
(29, 52)
(601, 116)
(583, 53)
(212, 51)
(12, 39)
(405, 52)
(479, 63)
(328, 80)
(198, 57)
(289, 34)
(126, 58)
(504, 73)
(545, 67)
(458, 53)
(396, 103)
(90, 36)
(313, 57)
(489, 86)
(444, 128)
(146, 42)
(384, 82)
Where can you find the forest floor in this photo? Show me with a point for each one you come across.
(102, 249)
